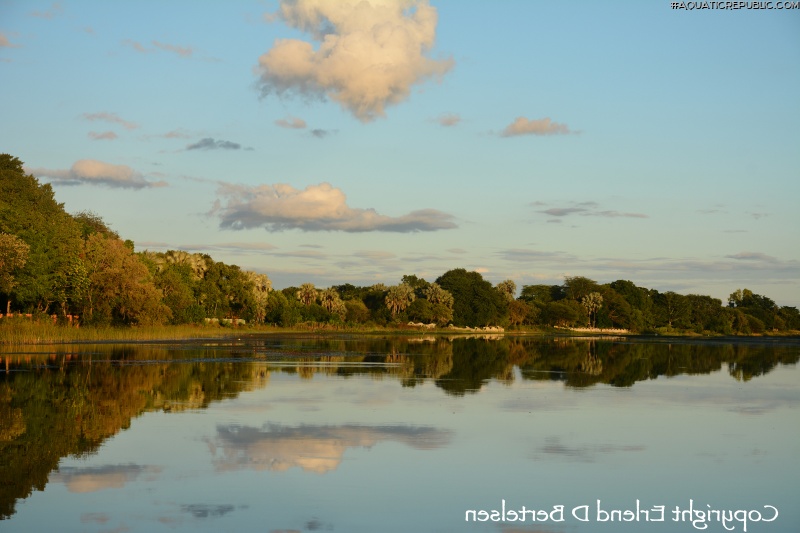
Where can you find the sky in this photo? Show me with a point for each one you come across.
(359, 141)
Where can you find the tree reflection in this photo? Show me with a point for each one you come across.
(66, 402)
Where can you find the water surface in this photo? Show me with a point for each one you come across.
(428, 434)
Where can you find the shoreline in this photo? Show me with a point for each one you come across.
(48, 334)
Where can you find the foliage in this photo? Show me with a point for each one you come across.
(13, 256)
(399, 297)
(54, 262)
(475, 301)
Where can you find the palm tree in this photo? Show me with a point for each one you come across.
(261, 287)
(437, 295)
(399, 298)
(508, 288)
(328, 299)
(307, 293)
(592, 302)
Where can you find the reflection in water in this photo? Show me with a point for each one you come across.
(587, 453)
(102, 477)
(317, 449)
(66, 401)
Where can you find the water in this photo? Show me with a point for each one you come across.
(427, 434)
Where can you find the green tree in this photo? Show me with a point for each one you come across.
(120, 285)
(541, 294)
(261, 287)
(508, 289)
(592, 302)
(30, 212)
(13, 256)
(576, 287)
(441, 309)
(330, 301)
(399, 297)
(307, 293)
(673, 309)
(475, 301)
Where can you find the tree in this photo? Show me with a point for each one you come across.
(441, 309)
(563, 313)
(475, 301)
(329, 299)
(30, 212)
(399, 297)
(91, 223)
(592, 302)
(508, 289)
(261, 287)
(541, 294)
(576, 287)
(521, 312)
(120, 285)
(13, 256)
(673, 309)
(307, 293)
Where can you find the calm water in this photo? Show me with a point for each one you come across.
(368, 434)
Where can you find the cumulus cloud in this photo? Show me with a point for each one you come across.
(291, 123)
(544, 126)
(212, 144)
(369, 53)
(90, 171)
(316, 208)
(112, 118)
(105, 136)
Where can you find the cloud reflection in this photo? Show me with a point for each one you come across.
(316, 449)
(95, 478)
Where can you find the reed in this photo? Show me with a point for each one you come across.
(26, 331)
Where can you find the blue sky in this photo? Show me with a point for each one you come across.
(333, 142)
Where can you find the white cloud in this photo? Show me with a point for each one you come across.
(90, 171)
(369, 54)
(544, 126)
(316, 208)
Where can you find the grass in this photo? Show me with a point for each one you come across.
(25, 331)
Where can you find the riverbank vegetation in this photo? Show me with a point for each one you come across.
(61, 270)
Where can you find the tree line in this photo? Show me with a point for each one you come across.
(56, 263)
